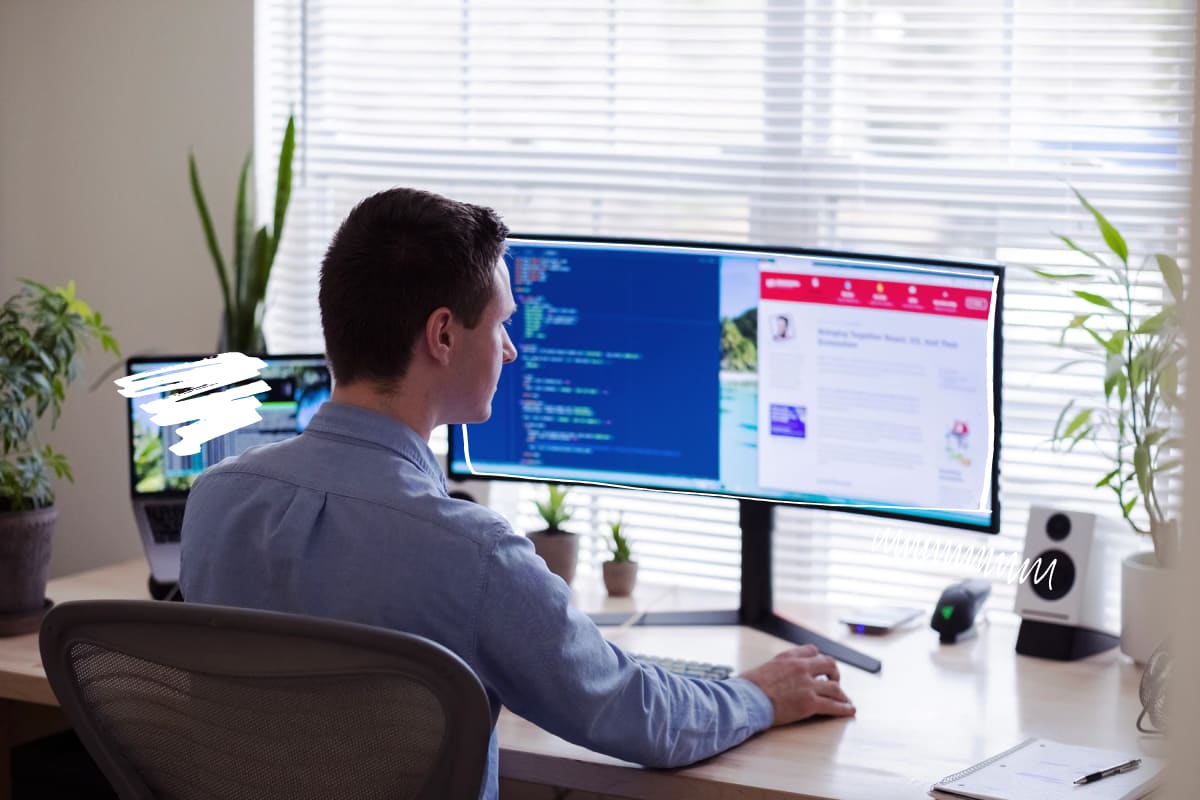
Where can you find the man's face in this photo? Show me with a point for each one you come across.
(484, 350)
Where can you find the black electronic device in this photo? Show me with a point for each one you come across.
(957, 609)
(838, 380)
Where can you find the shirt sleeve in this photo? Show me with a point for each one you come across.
(549, 663)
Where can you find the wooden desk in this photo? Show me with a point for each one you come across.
(930, 712)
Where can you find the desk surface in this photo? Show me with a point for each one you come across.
(932, 710)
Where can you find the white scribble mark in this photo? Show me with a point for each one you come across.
(211, 416)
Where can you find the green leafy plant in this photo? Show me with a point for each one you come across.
(245, 291)
(553, 511)
(41, 330)
(1139, 343)
(620, 544)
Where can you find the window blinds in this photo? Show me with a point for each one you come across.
(936, 128)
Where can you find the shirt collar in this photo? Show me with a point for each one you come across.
(370, 426)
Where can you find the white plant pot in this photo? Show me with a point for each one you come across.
(1147, 591)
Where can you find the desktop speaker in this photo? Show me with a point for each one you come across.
(1061, 593)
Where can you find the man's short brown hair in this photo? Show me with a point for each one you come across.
(400, 255)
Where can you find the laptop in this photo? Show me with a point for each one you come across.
(159, 479)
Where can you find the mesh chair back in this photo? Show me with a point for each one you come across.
(183, 702)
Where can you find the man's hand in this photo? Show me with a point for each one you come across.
(800, 683)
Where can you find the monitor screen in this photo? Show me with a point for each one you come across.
(299, 384)
(863, 383)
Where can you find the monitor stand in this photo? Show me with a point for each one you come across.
(757, 520)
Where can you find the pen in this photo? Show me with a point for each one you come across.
(1132, 764)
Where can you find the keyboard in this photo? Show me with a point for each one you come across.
(690, 669)
(166, 521)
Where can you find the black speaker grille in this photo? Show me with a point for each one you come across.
(1056, 572)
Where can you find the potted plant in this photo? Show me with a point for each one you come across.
(620, 573)
(1139, 344)
(557, 547)
(243, 294)
(41, 330)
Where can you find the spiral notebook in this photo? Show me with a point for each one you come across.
(1040, 769)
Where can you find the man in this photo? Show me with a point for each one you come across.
(351, 519)
(782, 327)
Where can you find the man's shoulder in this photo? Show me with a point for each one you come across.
(469, 519)
(260, 459)
(409, 494)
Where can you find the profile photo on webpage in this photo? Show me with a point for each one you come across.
(782, 328)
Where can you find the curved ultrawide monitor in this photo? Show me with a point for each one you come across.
(855, 382)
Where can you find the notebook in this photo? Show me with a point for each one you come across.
(160, 480)
(1040, 769)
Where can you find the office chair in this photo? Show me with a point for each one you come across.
(187, 702)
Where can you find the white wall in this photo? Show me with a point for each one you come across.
(99, 103)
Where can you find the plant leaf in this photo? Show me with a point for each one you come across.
(1153, 324)
(1072, 363)
(1141, 466)
(283, 186)
(243, 229)
(1077, 321)
(1152, 438)
(1113, 345)
(1110, 382)
(1069, 243)
(1112, 238)
(1171, 274)
(261, 255)
(1104, 481)
(210, 235)
(1061, 416)
(1128, 507)
(1095, 299)
(1079, 437)
(1062, 276)
(1168, 383)
(1079, 421)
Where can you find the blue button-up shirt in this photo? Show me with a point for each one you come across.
(351, 520)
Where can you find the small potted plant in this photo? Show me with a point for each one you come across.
(557, 547)
(1138, 343)
(620, 573)
(41, 330)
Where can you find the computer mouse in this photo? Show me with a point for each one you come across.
(956, 610)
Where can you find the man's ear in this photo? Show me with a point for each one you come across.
(439, 335)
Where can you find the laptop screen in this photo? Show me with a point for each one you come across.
(299, 384)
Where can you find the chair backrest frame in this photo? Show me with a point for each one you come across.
(251, 643)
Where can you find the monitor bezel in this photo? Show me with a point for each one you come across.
(994, 269)
(168, 494)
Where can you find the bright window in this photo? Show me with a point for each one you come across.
(939, 128)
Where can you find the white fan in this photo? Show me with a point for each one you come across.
(1153, 690)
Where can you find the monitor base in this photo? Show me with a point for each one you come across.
(772, 624)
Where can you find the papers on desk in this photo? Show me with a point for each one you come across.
(1039, 769)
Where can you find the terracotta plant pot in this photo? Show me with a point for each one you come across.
(559, 550)
(25, 538)
(619, 577)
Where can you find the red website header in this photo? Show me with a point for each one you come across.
(885, 295)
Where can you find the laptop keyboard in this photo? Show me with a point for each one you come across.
(166, 521)
(690, 669)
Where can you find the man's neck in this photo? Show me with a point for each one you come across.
(399, 405)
